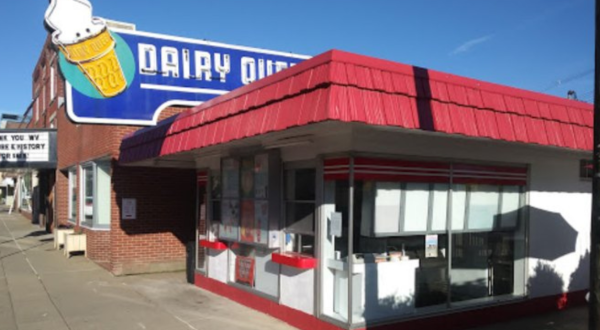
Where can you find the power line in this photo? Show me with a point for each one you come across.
(568, 79)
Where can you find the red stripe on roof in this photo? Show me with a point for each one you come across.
(347, 87)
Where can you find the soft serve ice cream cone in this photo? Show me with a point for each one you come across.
(86, 42)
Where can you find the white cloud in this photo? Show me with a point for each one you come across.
(466, 46)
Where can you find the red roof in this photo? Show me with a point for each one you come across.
(345, 87)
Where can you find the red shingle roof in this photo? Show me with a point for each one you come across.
(347, 87)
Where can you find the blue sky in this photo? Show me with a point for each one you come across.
(539, 45)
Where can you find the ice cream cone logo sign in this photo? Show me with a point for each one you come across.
(85, 42)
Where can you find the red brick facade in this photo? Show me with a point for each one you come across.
(155, 241)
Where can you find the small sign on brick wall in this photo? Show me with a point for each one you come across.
(129, 210)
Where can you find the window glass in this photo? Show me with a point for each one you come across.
(304, 185)
(95, 194)
(483, 206)
(52, 83)
(300, 200)
(439, 207)
(416, 207)
(247, 177)
(459, 204)
(300, 217)
(387, 207)
(510, 207)
(586, 169)
(102, 197)
(88, 194)
(73, 195)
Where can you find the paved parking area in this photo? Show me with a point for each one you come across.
(41, 289)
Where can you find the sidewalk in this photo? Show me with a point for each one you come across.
(41, 289)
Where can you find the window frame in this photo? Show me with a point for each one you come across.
(298, 234)
(52, 83)
(73, 178)
(94, 223)
(586, 173)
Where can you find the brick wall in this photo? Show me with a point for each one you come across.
(155, 240)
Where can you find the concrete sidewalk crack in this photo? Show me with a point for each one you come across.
(10, 300)
(37, 275)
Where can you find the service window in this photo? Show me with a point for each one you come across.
(300, 187)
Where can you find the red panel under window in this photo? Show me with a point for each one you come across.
(295, 260)
(215, 245)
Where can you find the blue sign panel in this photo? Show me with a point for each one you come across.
(141, 74)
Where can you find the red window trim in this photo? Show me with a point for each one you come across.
(295, 260)
(214, 245)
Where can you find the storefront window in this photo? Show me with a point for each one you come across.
(300, 210)
(400, 248)
(95, 194)
(244, 222)
(419, 243)
(487, 253)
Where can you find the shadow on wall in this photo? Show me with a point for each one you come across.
(551, 236)
(580, 279)
(165, 200)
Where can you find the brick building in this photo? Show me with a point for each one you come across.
(89, 152)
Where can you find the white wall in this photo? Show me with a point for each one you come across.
(217, 265)
(297, 289)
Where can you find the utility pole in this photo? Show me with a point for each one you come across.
(594, 303)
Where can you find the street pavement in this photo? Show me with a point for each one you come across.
(41, 289)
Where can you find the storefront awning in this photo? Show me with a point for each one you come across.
(345, 87)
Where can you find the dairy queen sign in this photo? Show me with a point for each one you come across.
(128, 77)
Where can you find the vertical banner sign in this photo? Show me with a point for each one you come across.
(128, 77)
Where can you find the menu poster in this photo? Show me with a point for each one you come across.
(247, 177)
(230, 214)
(261, 209)
(248, 226)
(261, 176)
(244, 270)
(231, 178)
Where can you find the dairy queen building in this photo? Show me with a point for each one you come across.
(334, 192)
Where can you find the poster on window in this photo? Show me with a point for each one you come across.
(248, 227)
(231, 178)
(230, 219)
(244, 270)
(261, 176)
(261, 211)
(431, 246)
(247, 178)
